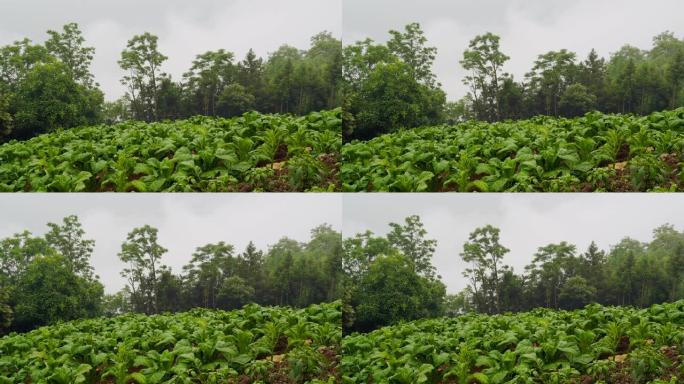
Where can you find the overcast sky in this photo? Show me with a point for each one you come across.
(527, 221)
(527, 27)
(185, 28)
(185, 221)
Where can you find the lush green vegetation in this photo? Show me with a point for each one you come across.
(48, 86)
(252, 152)
(389, 279)
(597, 152)
(254, 344)
(631, 273)
(47, 279)
(592, 345)
(391, 86)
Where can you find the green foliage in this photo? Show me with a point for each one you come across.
(390, 99)
(49, 291)
(388, 87)
(5, 115)
(47, 279)
(47, 87)
(43, 88)
(596, 152)
(631, 273)
(142, 61)
(410, 240)
(390, 279)
(234, 293)
(6, 314)
(48, 98)
(542, 346)
(235, 100)
(200, 154)
(485, 255)
(67, 239)
(391, 291)
(576, 101)
(142, 254)
(485, 61)
(67, 46)
(202, 346)
(576, 293)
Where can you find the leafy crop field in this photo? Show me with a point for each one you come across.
(596, 152)
(252, 152)
(255, 344)
(593, 345)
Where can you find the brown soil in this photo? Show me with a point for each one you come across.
(281, 153)
(622, 373)
(623, 153)
(281, 345)
(331, 163)
(623, 345)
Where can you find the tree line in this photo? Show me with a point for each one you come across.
(48, 86)
(391, 86)
(45, 279)
(391, 278)
(561, 277)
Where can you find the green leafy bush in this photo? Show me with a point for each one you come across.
(597, 152)
(254, 344)
(591, 345)
(252, 152)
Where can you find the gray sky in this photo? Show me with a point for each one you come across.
(185, 28)
(527, 221)
(185, 221)
(527, 27)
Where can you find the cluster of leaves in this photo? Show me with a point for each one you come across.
(390, 278)
(592, 345)
(251, 152)
(389, 86)
(254, 344)
(597, 152)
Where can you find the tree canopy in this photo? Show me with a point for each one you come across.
(392, 86)
(44, 87)
(45, 279)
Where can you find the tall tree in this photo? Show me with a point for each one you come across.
(68, 47)
(552, 73)
(210, 73)
(410, 240)
(142, 61)
(17, 252)
(210, 265)
(676, 269)
(143, 254)
(250, 74)
(68, 240)
(410, 47)
(484, 60)
(485, 254)
(551, 266)
(675, 76)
